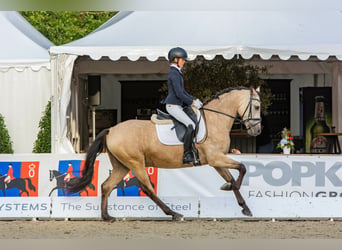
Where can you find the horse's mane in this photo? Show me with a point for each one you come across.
(226, 90)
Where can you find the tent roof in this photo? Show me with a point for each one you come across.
(209, 33)
(21, 44)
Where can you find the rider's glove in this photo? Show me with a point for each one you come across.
(197, 103)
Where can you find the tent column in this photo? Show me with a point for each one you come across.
(336, 94)
(54, 106)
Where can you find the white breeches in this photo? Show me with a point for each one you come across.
(177, 112)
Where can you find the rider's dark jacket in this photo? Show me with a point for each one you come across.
(176, 93)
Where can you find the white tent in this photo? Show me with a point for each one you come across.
(25, 78)
(265, 33)
(313, 36)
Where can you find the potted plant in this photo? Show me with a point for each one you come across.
(286, 142)
(5, 139)
(43, 141)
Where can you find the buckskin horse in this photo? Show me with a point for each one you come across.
(133, 145)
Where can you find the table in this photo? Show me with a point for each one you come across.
(334, 144)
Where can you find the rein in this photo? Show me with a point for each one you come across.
(249, 118)
(219, 112)
(57, 176)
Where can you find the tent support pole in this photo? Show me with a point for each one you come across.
(93, 111)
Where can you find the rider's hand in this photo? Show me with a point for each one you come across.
(197, 103)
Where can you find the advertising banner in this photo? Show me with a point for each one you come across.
(317, 118)
(285, 187)
(25, 207)
(275, 186)
(19, 178)
(144, 207)
(76, 207)
(123, 207)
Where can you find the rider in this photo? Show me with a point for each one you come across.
(178, 97)
(69, 174)
(9, 175)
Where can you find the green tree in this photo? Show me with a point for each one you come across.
(5, 140)
(204, 78)
(62, 27)
(43, 141)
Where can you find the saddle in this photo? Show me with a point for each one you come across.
(172, 132)
(164, 118)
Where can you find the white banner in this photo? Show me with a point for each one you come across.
(76, 207)
(275, 186)
(144, 207)
(123, 207)
(25, 207)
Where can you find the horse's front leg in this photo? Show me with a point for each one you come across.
(52, 190)
(229, 185)
(222, 161)
(242, 172)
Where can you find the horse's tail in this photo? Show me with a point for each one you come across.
(79, 183)
(30, 185)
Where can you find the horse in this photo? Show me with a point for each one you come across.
(19, 183)
(61, 183)
(133, 145)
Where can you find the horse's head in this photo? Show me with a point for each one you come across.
(51, 174)
(249, 111)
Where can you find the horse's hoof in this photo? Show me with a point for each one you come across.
(227, 186)
(247, 212)
(177, 217)
(108, 218)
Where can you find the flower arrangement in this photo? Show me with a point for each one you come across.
(287, 140)
(235, 151)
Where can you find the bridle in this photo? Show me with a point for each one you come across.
(248, 107)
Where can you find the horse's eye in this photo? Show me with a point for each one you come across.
(257, 107)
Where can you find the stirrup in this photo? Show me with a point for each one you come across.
(192, 158)
(197, 161)
(187, 159)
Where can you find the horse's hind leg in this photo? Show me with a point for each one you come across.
(119, 172)
(230, 185)
(146, 187)
(24, 191)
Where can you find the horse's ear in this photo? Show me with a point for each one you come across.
(258, 89)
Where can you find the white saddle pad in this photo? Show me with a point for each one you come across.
(168, 136)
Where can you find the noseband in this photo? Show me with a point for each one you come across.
(249, 118)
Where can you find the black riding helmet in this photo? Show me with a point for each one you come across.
(177, 53)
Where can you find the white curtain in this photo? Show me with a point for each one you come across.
(24, 95)
(62, 68)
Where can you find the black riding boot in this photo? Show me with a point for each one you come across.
(188, 141)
